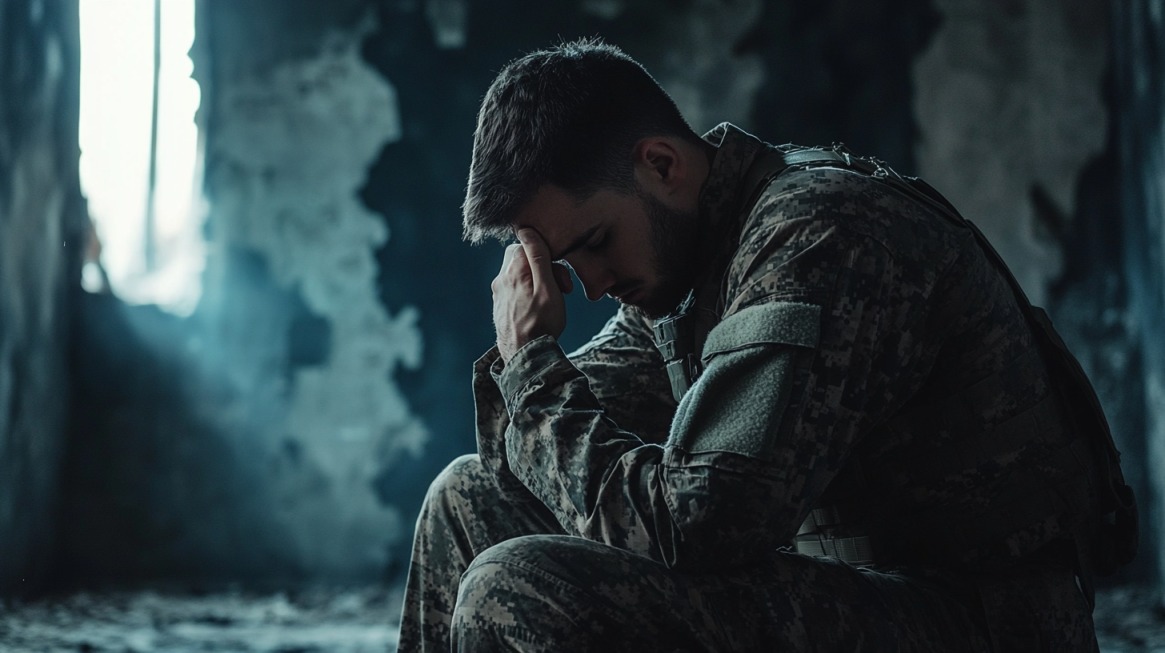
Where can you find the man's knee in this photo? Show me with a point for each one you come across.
(506, 560)
(463, 471)
(516, 591)
(537, 571)
(555, 557)
(452, 496)
(463, 477)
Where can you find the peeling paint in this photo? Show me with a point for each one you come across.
(299, 141)
(1007, 102)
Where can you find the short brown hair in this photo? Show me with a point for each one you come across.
(570, 116)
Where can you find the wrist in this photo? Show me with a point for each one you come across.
(527, 363)
(509, 347)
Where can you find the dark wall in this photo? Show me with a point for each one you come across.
(243, 443)
(1139, 111)
(40, 248)
(736, 62)
(1107, 299)
(288, 430)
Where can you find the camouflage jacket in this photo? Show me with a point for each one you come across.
(866, 355)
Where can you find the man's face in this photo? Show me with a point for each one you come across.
(634, 248)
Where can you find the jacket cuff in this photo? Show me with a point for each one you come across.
(525, 366)
(484, 365)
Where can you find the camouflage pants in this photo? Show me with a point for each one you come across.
(491, 574)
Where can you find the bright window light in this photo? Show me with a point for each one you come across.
(155, 254)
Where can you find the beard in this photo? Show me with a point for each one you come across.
(673, 255)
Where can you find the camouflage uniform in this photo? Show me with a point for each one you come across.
(864, 355)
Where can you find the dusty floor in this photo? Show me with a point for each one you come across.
(1129, 621)
(147, 622)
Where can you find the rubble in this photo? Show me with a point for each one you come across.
(349, 621)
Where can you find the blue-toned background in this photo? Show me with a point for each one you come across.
(285, 432)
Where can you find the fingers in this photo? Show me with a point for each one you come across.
(513, 266)
(538, 255)
(516, 267)
(530, 259)
(527, 294)
(508, 256)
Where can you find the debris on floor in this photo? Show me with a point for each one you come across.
(315, 621)
(1128, 620)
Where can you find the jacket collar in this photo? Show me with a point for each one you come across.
(720, 207)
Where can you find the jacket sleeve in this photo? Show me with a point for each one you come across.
(627, 375)
(788, 388)
(623, 371)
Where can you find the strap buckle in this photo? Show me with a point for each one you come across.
(675, 339)
(817, 538)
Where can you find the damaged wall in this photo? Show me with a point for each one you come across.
(1139, 98)
(1015, 127)
(289, 147)
(40, 218)
(289, 428)
(441, 56)
(738, 61)
(1009, 104)
(242, 443)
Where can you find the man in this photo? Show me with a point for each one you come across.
(871, 454)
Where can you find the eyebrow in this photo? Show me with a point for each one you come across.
(576, 243)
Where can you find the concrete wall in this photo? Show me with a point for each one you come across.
(1016, 127)
(1139, 94)
(1009, 102)
(288, 430)
(242, 443)
(40, 209)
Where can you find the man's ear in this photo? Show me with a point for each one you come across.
(659, 163)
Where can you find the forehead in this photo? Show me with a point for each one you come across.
(560, 217)
(548, 210)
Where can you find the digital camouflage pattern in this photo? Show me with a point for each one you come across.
(551, 592)
(864, 355)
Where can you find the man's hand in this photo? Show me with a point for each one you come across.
(527, 294)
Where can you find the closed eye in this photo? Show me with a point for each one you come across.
(598, 241)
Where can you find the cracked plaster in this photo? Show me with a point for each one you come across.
(1007, 97)
(298, 141)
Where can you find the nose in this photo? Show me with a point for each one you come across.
(596, 282)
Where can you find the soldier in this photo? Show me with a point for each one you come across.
(844, 432)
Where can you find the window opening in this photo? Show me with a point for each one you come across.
(140, 151)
